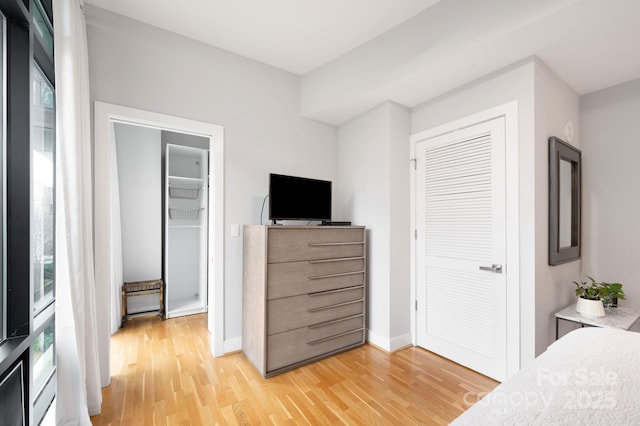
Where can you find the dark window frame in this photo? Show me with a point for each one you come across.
(23, 325)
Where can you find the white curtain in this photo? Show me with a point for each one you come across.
(116, 238)
(78, 382)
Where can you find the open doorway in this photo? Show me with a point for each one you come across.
(109, 121)
(162, 190)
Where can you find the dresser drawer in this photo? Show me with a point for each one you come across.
(291, 245)
(310, 309)
(304, 293)
(304, 343)
(295, 278)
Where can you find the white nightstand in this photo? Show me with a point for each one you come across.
(618, 317)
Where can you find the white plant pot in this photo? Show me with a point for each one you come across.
(592, 308)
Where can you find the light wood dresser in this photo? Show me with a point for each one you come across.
(304, 294)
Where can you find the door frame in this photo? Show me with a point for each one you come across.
(105, 115)
(512, 267)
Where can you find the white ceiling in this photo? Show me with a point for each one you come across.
(420, 48)
(294, 35)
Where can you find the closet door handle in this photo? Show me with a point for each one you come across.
(493, 268)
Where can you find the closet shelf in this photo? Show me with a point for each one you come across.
(184, 214)
(186, 206)
(185, 191)
(184, 178)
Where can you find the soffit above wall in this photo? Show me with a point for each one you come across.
(293, 35)
(590, 44)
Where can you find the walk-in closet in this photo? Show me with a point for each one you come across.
(163, 190)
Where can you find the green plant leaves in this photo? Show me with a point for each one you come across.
(599, 290)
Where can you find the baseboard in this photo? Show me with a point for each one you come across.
(401, 342)
(389, 345)
(232, 345)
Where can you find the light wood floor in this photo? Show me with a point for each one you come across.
(163, 373)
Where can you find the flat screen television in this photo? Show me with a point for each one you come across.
(298, 198)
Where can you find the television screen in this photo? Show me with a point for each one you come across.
(297, 198)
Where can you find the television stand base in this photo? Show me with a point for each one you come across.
(334, 223)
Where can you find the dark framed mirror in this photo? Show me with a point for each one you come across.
(565, 176)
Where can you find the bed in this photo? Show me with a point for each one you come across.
(591, 376)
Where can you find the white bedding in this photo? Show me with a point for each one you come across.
(591, 376)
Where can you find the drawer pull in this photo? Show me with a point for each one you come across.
(348, 243)
(324, 339)
(342, 274)
(340, 259)
(337, 305)
(326, 323)
(338, 290)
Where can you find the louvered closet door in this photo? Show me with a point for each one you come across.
(460, 216)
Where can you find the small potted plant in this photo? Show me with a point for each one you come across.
(610, 293)
(593, 296)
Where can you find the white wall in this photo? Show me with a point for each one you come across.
(140, 186)
(610, 125)
(513, 83)
(399, 227)
(363, 179)
(373, 177)
(143, 67)
(555, 104)
(140, 181)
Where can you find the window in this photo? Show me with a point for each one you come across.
(42, 225)
(42, 155)
(42, 352)
(27, 204)
(43, 28)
